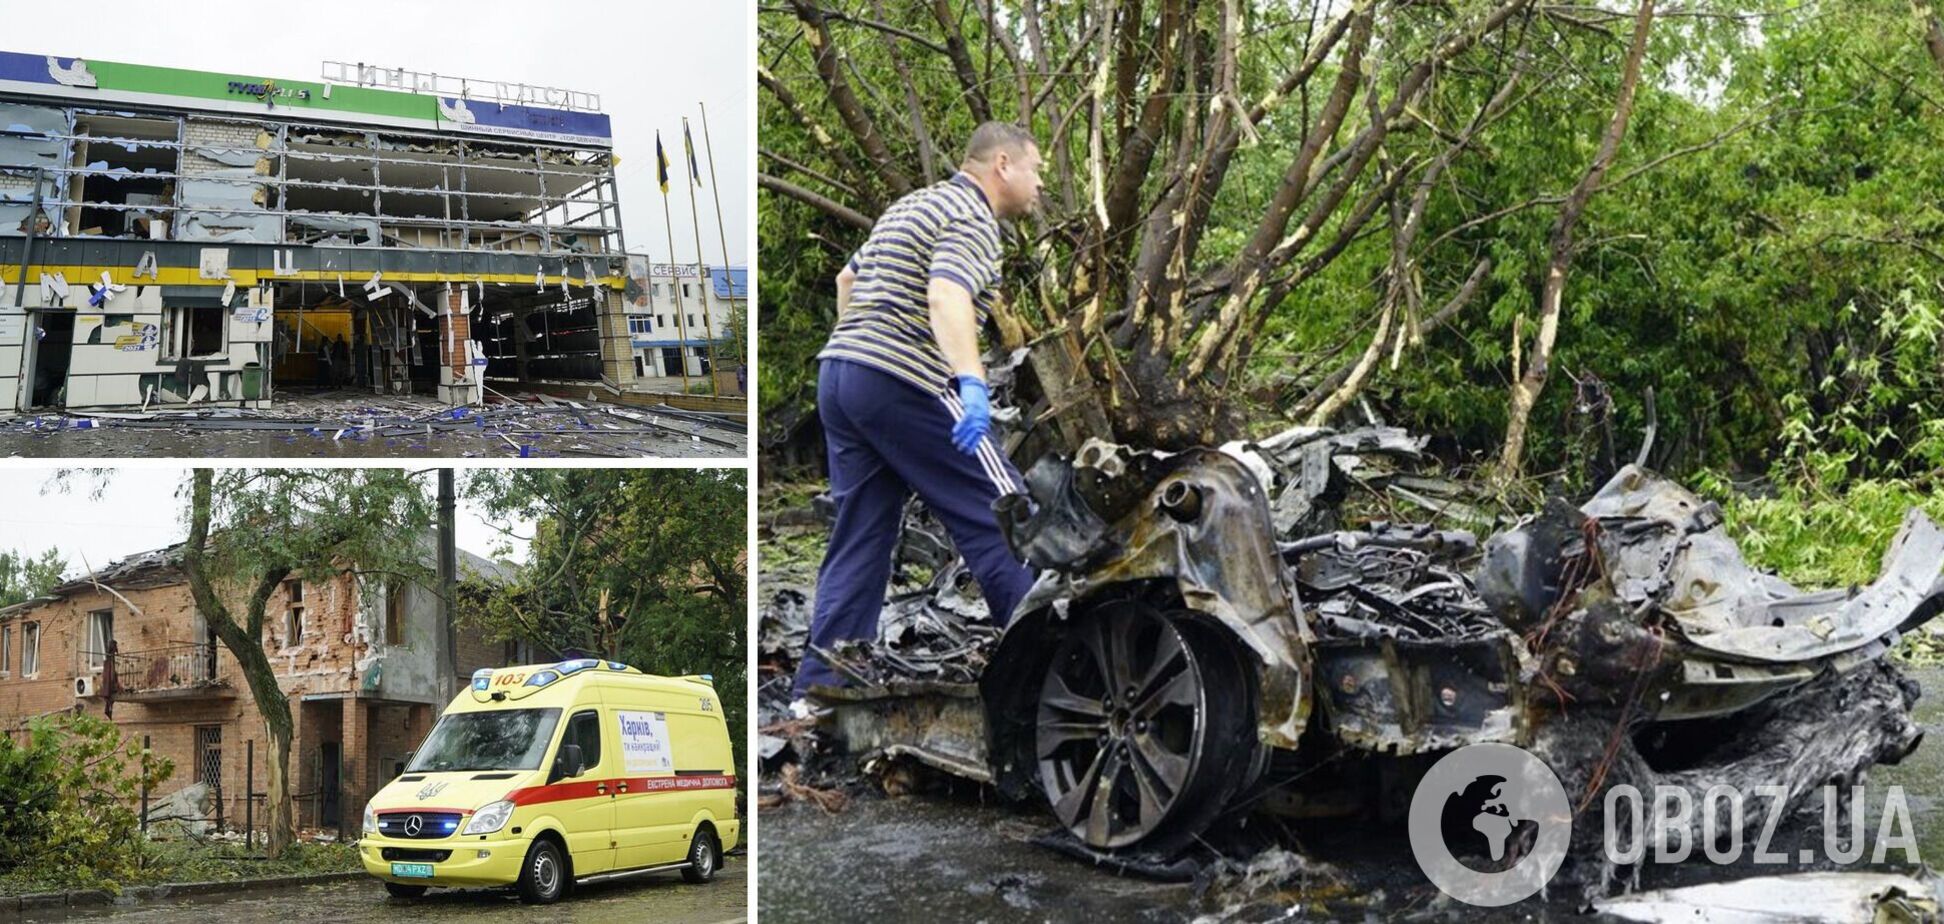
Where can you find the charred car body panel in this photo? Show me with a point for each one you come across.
(1165, 592)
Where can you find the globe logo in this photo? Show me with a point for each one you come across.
(1490, 824)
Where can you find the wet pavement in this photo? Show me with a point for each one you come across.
(642, 900)
(936, 859)
(965, 857)
(125, 443)
(345, 424)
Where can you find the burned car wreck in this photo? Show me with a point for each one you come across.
(1205, 641)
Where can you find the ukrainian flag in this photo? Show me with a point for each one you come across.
(661, 158)
(688, 142)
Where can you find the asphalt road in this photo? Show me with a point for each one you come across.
(955, 858)
(642, 900)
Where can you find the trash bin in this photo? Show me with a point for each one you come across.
(252, 381)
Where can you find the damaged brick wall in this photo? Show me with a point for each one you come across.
(452, 348)
(320, 660)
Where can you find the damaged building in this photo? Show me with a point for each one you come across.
(366, 662)
(177, 237)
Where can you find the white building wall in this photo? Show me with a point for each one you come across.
(117, 354)
(713, 321)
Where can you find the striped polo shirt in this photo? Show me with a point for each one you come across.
(944, 231)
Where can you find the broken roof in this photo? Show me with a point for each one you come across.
(162, 567)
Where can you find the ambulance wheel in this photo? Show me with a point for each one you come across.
(704, 857)
(543, 877)
(398, 890)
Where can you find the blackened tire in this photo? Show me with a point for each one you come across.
(543, 875)
(704, 856)
(399, 890)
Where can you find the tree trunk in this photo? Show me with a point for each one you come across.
(279, 821)
(246, 644)
(1933, 30)
(1525, 392)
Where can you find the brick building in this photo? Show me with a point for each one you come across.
(360, 661)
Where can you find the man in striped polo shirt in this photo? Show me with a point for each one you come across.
(902, 392)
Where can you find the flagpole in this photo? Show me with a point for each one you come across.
(708, 323)
(716, 191)
(681, 351)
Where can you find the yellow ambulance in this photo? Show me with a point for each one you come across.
(547, 775)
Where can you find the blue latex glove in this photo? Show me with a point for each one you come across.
(977, 421)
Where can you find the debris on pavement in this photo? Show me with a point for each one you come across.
(1792, 899)
(346, 422)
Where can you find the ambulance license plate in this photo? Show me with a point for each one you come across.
(412, 870)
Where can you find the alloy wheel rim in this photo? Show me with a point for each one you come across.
(1121, 724)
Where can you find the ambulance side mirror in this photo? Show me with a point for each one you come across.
(568, 763)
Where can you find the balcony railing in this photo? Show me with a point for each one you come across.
(172, 670)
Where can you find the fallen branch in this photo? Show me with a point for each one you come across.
(822, 203)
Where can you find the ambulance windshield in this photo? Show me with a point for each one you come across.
(502, 739)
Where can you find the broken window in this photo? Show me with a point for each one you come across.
(294, 614)
(29, 649)
(394, 612)
(101, 628)
(192, 332)
(224, 189)
(128, 174)
(30, 137)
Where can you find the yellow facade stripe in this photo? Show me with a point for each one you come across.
(80, 277)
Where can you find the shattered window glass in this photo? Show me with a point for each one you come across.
(225, 190)
(30, 137)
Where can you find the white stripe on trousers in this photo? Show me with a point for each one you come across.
(988, 455)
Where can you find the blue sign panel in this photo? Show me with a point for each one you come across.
(41, 69)
(730, 282)
(517, 121)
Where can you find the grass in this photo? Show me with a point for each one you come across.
(165, 862)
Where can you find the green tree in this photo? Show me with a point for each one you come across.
(1776, 170)
(250, 529)
(23, 577)
(70, 786)
(662, 553)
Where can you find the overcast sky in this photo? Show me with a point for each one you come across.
(651, 61)
(139, 511)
